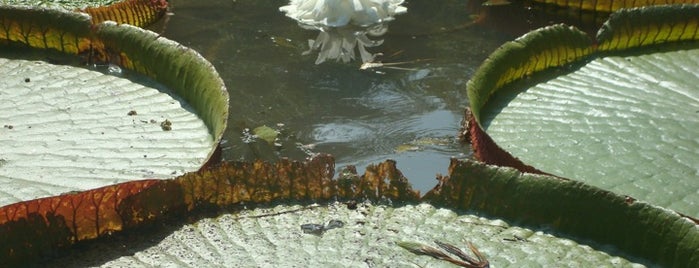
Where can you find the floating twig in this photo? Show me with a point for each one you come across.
(465, 261)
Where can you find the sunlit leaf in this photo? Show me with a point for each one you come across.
(599, 214)
(571, 207)
(67, 32)
(40, 226)
(74, 217)
(89, 129)
(600, 122)
(180, 68)
(623, 123)
(192, 78)
(139, 13)
(59, 4)
(538, 50)
(273, 236)
(610, 5)
(639, 27)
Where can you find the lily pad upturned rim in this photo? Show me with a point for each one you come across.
(180, 68)
(522, 58)
(571, 207)
(559, 46)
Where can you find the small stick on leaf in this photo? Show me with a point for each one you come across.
(465, 261)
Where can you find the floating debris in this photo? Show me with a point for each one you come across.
(422, 143)
(319, 229)
(266, 133)
(465, 261)
(166, 125)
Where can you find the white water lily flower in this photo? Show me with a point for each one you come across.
(338, 13)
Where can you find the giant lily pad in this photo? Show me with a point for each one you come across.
(68, 128)
(611, 226)
(369, 235)
(627, 124)
(625, 121)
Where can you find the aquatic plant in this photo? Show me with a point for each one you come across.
(339, 13)
(344, 25)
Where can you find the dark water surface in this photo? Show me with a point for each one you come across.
(359, 116)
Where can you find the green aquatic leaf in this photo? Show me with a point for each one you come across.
(571, 207)
(538, 50)
(140, 13)
(610, 5)
(69, 128)
(66, 32)
(178, 67)
(266, 133)
(273, 236)
(622, 122)
(638, 27)
(585, 226)
(59, 4)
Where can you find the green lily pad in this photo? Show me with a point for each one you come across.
(621, 115)
(69, 128)
(368, 235)
(62, 4)
(623, 123)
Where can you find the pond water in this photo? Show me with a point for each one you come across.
(411, 115)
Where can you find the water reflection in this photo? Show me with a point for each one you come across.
(340, 43)
(361, 117)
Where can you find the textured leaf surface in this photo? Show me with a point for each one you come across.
(624, 122)
(178, 67)
(273, 237)
(139, 13)
(627, 99)
(61, 4)
(64, 111)
(627, 124)
(68, 128)
(64, 31)
(542, 49)
(99, 128)
(639, 27)
(571, 207)
(35, 228)
(610, 5)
